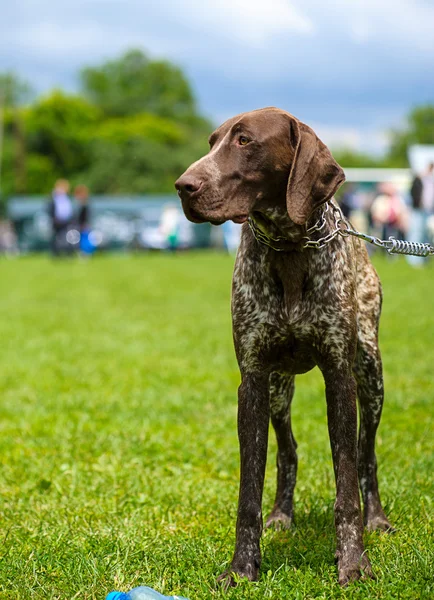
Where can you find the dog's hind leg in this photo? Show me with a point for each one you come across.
(281, 393)
(370, 391)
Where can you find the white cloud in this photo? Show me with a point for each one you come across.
(251, 21)
(406, 23)
(54, 41)
(360, 139)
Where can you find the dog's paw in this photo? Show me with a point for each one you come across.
(226, 580)
(379, 523)
(354, 570)
(246, 570)
(279, 520)
(231, 578)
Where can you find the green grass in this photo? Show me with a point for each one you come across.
(119, 451)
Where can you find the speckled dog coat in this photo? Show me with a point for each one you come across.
(294, 308)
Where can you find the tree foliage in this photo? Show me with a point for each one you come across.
(419, 130)
(133, 129)
(13, 90)
(134, 84)
(351, 159)
(61, 126)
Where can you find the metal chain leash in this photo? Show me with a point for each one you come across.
(342, 227)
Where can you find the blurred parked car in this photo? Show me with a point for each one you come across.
(116, 223)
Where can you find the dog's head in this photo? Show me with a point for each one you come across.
(265, 154)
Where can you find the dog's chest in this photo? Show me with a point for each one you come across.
(286, 313)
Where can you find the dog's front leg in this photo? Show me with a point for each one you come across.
(253, 421)
(342, 424)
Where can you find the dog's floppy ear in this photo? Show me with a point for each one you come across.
(315, 175)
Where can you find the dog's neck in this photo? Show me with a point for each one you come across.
(274, 223)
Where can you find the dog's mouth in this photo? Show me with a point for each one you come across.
(240, 219)
(196, 217)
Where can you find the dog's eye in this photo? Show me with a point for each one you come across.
(242, 140)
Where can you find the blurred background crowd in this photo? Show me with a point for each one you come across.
(68, 222)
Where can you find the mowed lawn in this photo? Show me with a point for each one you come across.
(119, 450)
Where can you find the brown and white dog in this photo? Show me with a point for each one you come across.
(294, 308)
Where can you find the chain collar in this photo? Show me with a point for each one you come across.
(283, 244)
(279, 243)
(341, 227)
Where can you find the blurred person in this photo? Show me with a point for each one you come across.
(185, 233)
(169, 225)
(422, 209)
(81, 195)
(354, 205)
(61, 215)
(231, 236)
(8, 239)
(348, 200)
(389, 212)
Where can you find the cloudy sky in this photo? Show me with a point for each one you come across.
(350, 68)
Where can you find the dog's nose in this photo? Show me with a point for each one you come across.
(187, 185)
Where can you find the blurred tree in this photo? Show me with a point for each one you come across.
(68, 137)
(135, 129)
(13, 92)
(133, 84)
(61, 126)
(419, 130)
(349, 158)
(141, 154)
(40, 170)
(151, 129)
(121, 129)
